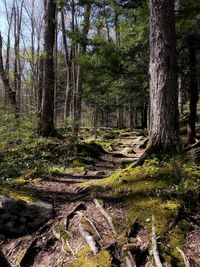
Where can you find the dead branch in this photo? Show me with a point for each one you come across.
(154, 245)
(104, 213)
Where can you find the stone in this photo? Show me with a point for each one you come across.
(22, 217)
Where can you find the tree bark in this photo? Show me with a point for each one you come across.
(80, 72)
(191, 129)
(131, 115)
(68, 60)
(4, 76)
(164, 122)
(46, 123)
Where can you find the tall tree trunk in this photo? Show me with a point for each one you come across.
(180, 95)
(120, 115)
(18, 12)
(131, 115)
(164, 122)
(191, 129)
(80, 71)
(4, 76)
(7, 65)
(46, 124)
(68, 60)
(144, 118)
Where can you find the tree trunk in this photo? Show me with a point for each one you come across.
(80, 72)
(131, 115)
(180, 95)
(46, 124)
(144, 112)
(4, 75)
(68, 60)
(191, 129)
(164, 122)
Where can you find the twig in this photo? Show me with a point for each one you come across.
(185, 259)
(104, 213)
(154, 246)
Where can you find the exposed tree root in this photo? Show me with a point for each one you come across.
(3, 261)
(141, 160)
(104, 213)
(154, 245)
(24, 255)
(72, 213)
(185, 259)
(130, 261)
(190, 147)
(83, 228)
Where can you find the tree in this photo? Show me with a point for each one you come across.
(4, 75)
(191, 129)
(164, 118)
(46, 123)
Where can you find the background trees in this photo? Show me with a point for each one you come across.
(101, 58)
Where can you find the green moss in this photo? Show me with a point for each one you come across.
(154, 189)
(17, 189)
(86, 258)
(20, 257)
(177, 238)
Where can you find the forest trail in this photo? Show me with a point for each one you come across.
(81, 214)
(48, 246)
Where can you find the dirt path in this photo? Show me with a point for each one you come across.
(48, 246)
(60, 241)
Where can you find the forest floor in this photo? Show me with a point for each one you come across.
(101, 208)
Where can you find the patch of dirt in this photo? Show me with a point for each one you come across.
(192, 247)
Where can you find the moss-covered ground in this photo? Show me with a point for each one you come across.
(167, 190)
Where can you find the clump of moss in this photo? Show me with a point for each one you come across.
(18, 189)
(86, 258)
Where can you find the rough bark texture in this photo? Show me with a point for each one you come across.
(191, 129)
(164, 127)
(68, 60)
(80, 72)
(46, 125)
(4, 75)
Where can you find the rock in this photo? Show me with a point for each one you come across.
(22, 217)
